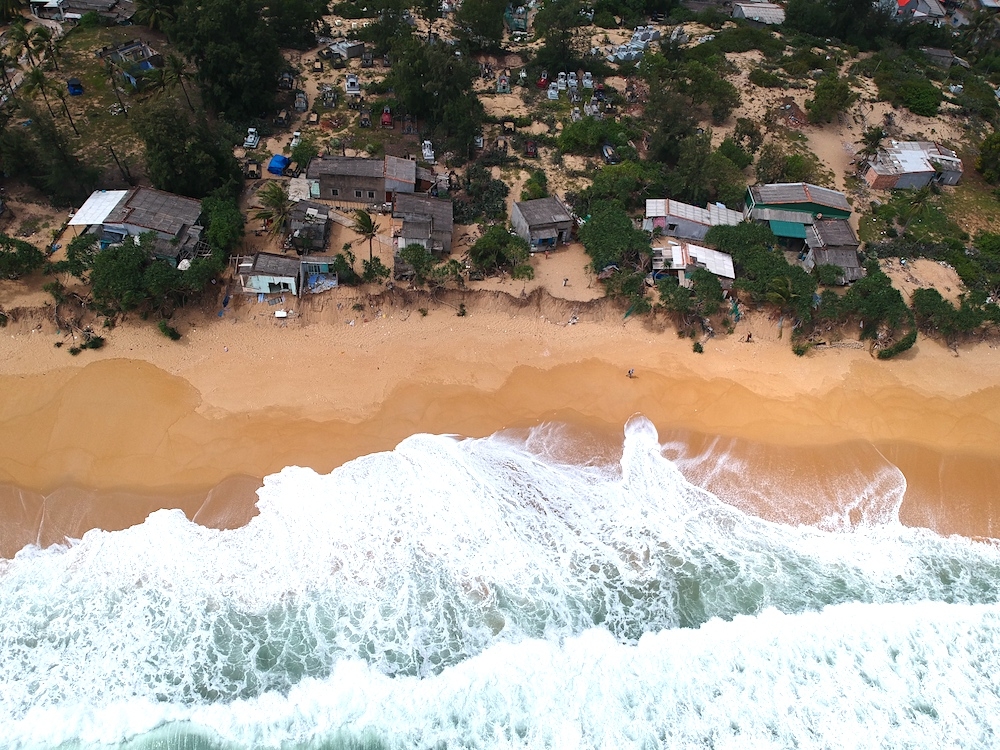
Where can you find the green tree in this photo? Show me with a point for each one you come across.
(224, 222)
(163, 284)
(295, 22)
(499, 249)
(479, 24)
(367, 229)
(420, 258)
(235, 50)
(610, 239)
(988, 163)
(374, 271)
(20, 40)
(117, 279)
(18, 258)
(275, 206)
(871, 141)
(306, 150)
(175, 73)
(80, 254)
(157, 15)
(707, 291)
(36, 82)
(9, 9)
(771, 163)
(184, 156)
(831, 96)
(536, 186)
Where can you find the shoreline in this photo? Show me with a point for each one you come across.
(246, 394)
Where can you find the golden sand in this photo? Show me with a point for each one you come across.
(112, 434)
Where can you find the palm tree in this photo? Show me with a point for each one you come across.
(154, 14)
(20, 40)
(7, 60)
(175, 71)
(154, 82)
(41, 41)
(61, 93)
(916, 205)
(366, 226)
(871, 141)
(9, 9)
(275, 206)
(36, 82)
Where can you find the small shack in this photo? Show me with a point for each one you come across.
(278, 164)
(309, 226)
(74, 86)
(832, 242)
(267, 273)
(544, 222)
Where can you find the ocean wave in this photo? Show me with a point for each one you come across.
(408, 567)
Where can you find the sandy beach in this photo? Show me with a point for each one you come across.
(101, 439)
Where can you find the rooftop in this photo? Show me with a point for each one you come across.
(684, 254)
(712, 215)
(156, 210)
(413, 208)
(831, 233)
(799, 192)
(344, 166)
(97, 207)
(543, 211)
(907, 157)
(761, 12)
(269, 264)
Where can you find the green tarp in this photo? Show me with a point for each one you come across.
(788, 229)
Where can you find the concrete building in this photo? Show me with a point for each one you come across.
(354, 179)
(676, 219)
(544, 222)
(115, 214)
(682, 259)
(133, 60)
(426, 221)
(912, 164)
(267, 273)
(115, 11)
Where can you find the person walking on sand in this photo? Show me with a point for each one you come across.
(631, 372)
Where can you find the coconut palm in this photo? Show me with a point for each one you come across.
(871, 141)
(9, 9)
(367, 227)
(175, 71)
(36, 82)
(61, 93)
(41, 40)
(154, 14)
(275, 205)
(8, 60)
(915, 206)
(21, 40)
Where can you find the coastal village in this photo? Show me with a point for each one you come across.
(693, 162)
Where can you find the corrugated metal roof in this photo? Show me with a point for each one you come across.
(413, 207)
(713, 215)
(768, 13)
(684, 254)
(779, 214)
(346, 166)
(834, 233)
(801, 192)
(97, 207)
(788, 229)
(543, 211)
(157, 210)
(269, 264)
(400, 170)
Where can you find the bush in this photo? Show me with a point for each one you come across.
(169, 331)
(900, 346)
(766, 79)
(735, 153)
(698, 348)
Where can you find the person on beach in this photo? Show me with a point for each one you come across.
(631, 372)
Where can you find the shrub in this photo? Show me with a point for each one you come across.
(900, 346)
(169, 331)
(766, 79)
(698, 348)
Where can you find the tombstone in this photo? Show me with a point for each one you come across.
(503, 84)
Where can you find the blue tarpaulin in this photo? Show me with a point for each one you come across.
(277, 164)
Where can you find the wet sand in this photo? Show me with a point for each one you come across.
(99, 440)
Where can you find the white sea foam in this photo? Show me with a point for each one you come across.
(475, 589)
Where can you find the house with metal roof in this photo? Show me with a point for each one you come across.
(543, 222)
(832, 242)
(676, 219)
(309, 226)
(426, 221)
(766, 14)
(354, 179)
(174, 219)
(684, 258)
(116, 11)
(269, 273)
(912, 164)
(800, 197)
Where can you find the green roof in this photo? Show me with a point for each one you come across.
(788, 229)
